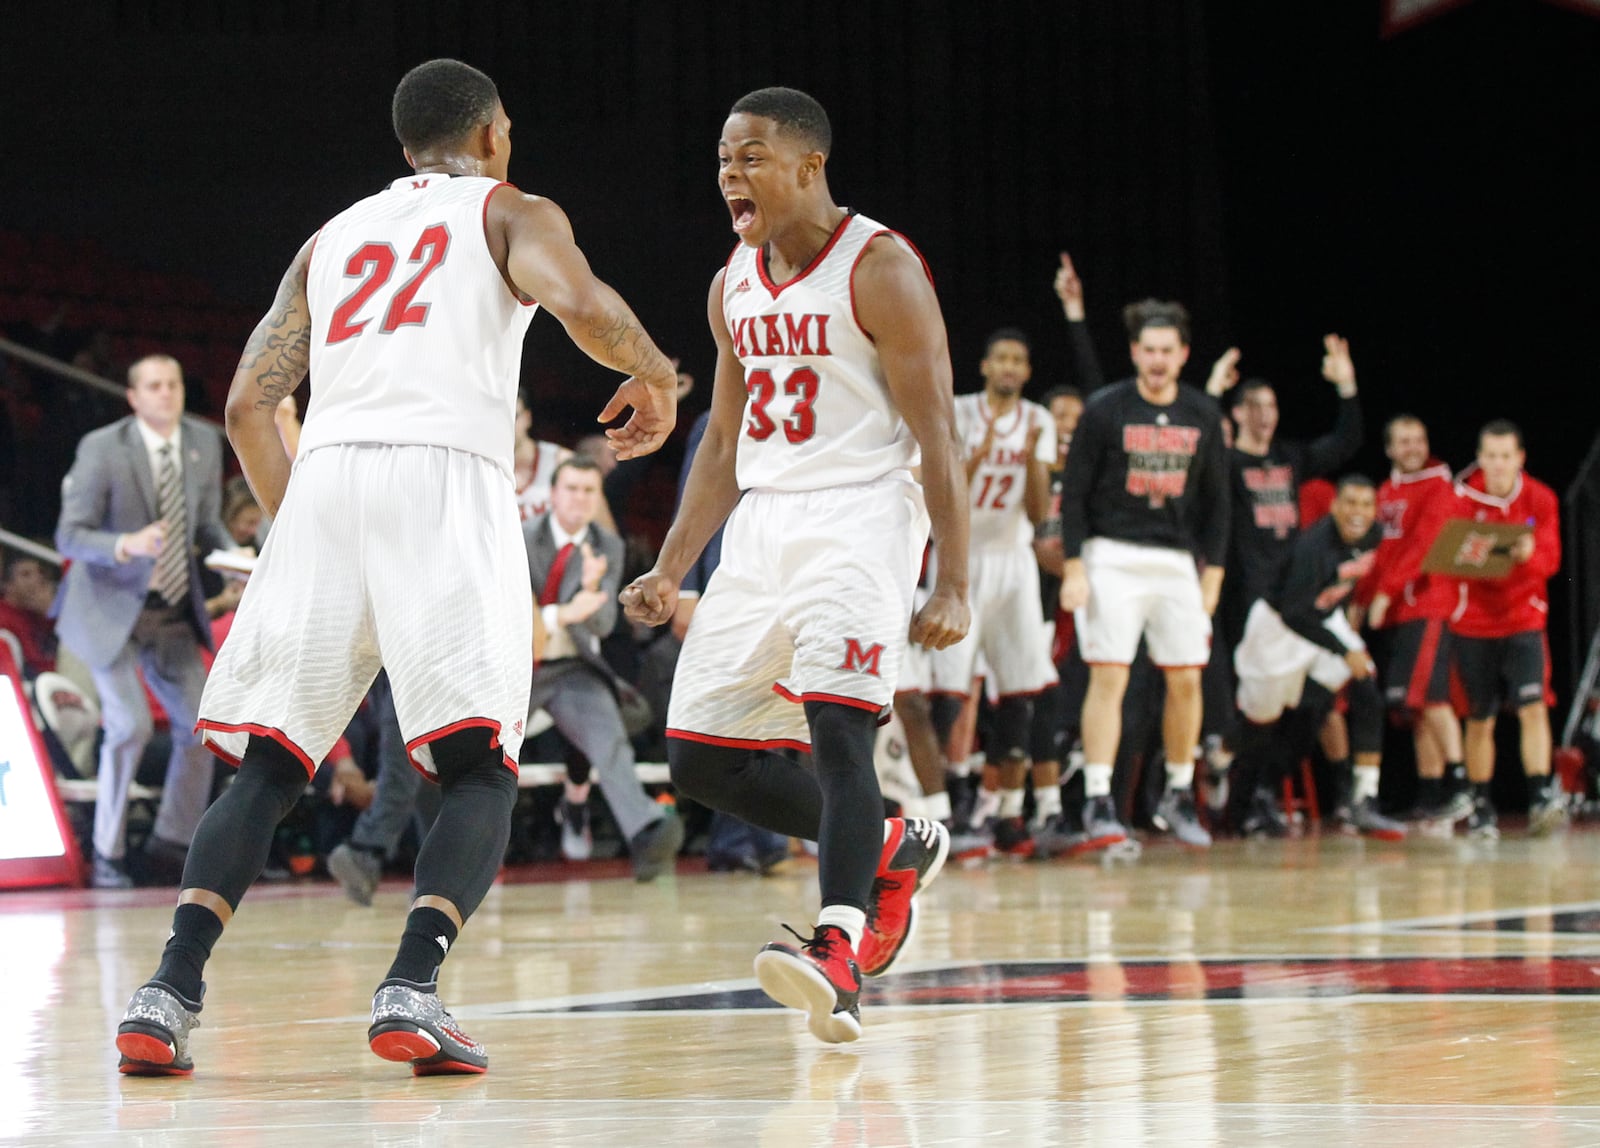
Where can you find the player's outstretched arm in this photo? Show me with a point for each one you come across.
(898, 308)
(274, 363)
(543, 262)
(712, 489)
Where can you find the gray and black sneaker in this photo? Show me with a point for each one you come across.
(1055, 836)
(1547, 811)
(1264, 817)
(1453, 805)
(409, 1022)
(577, 839)
(654, 849)
(1483, 823)
(358, 871)
(1102, 828)
(1364, 818)
(153, 1037)
(1176, 814)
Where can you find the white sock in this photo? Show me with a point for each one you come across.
(576, 794)
(1011, 803)
(1046, 800)
(1180, 774)
(1096, 779)
(986, 807)
(852, 921)
(958, 769)
(936, 806)
(1366, 782)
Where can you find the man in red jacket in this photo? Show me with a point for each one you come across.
(1417, 608)
(1502, 655)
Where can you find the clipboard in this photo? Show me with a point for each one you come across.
(231, 563)
(1468, 549)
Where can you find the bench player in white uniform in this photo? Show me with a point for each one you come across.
(832, 369)
(1010, 447)
(536, 461)
(396, 542)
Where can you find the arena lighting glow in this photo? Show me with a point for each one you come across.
(35, 846)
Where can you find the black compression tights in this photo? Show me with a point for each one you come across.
(234, 838)
(464, 848)
(838, 806)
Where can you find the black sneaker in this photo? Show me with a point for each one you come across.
(1547, 809)
(1264, 818)
(1012, 838)
(1483, 823)
(654, 849)
(577, 840)
(1055, 836)
(820, 978)
(153, 1037)
(409, 1022)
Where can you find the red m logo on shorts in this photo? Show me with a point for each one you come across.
(859, 660)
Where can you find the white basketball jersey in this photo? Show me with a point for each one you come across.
(415, 336)
(533, 497)
(999, 516)
(818, 412)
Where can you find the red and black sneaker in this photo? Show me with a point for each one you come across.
(819, 977)
(914, 850)
(1011, 837)
(410, 1023)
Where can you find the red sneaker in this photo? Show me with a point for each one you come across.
(913, 854)
(819, 977)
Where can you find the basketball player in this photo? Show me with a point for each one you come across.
(1010, 446)
(1416, 607)
(832, 369)
(396, 542)
(1144, 493)
(1299, 650)
(1498, 626)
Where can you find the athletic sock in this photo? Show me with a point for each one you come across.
(1011, 803)
(1366, 782)
(1046, 800)
(936, 806)
(425, 943)
(1180, 774)
(1096, 780)
(987, 806)
(195, 930)
(853, 921)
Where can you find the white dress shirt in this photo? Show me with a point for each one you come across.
(558, 643)
(153, 442)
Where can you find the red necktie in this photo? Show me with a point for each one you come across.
(551, 594)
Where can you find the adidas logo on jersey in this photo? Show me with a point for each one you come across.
(744, 285)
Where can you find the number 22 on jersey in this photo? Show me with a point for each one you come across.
(801, 424)
(374, 264)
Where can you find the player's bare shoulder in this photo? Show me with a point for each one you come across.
(891, 285)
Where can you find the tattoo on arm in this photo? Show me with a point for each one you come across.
(279, 351)
(623, 341)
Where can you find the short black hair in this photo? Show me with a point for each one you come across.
(1055, 393)
(793, 111)
(1356, 480)
(1007, 335)
(1499, 427)
(439, 102)
(1250, 387)
(1156, 313)
(575, 462)
(1388, 427)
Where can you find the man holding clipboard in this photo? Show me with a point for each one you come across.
(1499, 536)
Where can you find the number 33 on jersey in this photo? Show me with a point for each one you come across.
(817, 412)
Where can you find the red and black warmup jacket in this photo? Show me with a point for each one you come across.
(1403, 502)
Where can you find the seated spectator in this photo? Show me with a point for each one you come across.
(27, 591)
(576, 567)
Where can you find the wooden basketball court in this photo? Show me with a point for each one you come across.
(1312, 991)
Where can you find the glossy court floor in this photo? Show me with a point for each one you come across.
(1303, 992)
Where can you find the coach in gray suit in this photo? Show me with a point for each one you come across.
(576, 568)
(139, 506)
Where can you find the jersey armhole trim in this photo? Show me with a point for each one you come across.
(926, 270)
(487, 197)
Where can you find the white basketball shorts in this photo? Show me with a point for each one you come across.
(408, 558)
(1142, 591)
(1007, 629)
(1273, 663)
(812, 602)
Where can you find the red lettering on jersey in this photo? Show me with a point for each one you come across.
(781, 335)
(799, 335)
(1393, 517)
(419, 184)
(1001, 456)
(1158, 460)
(822, 335)
(775, 344)
(1269, 478)
(1279, 517)
(861, 661)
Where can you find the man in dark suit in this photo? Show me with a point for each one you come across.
(576, 568)
(139, 507)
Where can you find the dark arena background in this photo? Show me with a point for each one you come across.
(1420, 176)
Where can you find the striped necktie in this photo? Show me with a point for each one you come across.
(171, 578)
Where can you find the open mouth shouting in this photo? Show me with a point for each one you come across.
(744, 213)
